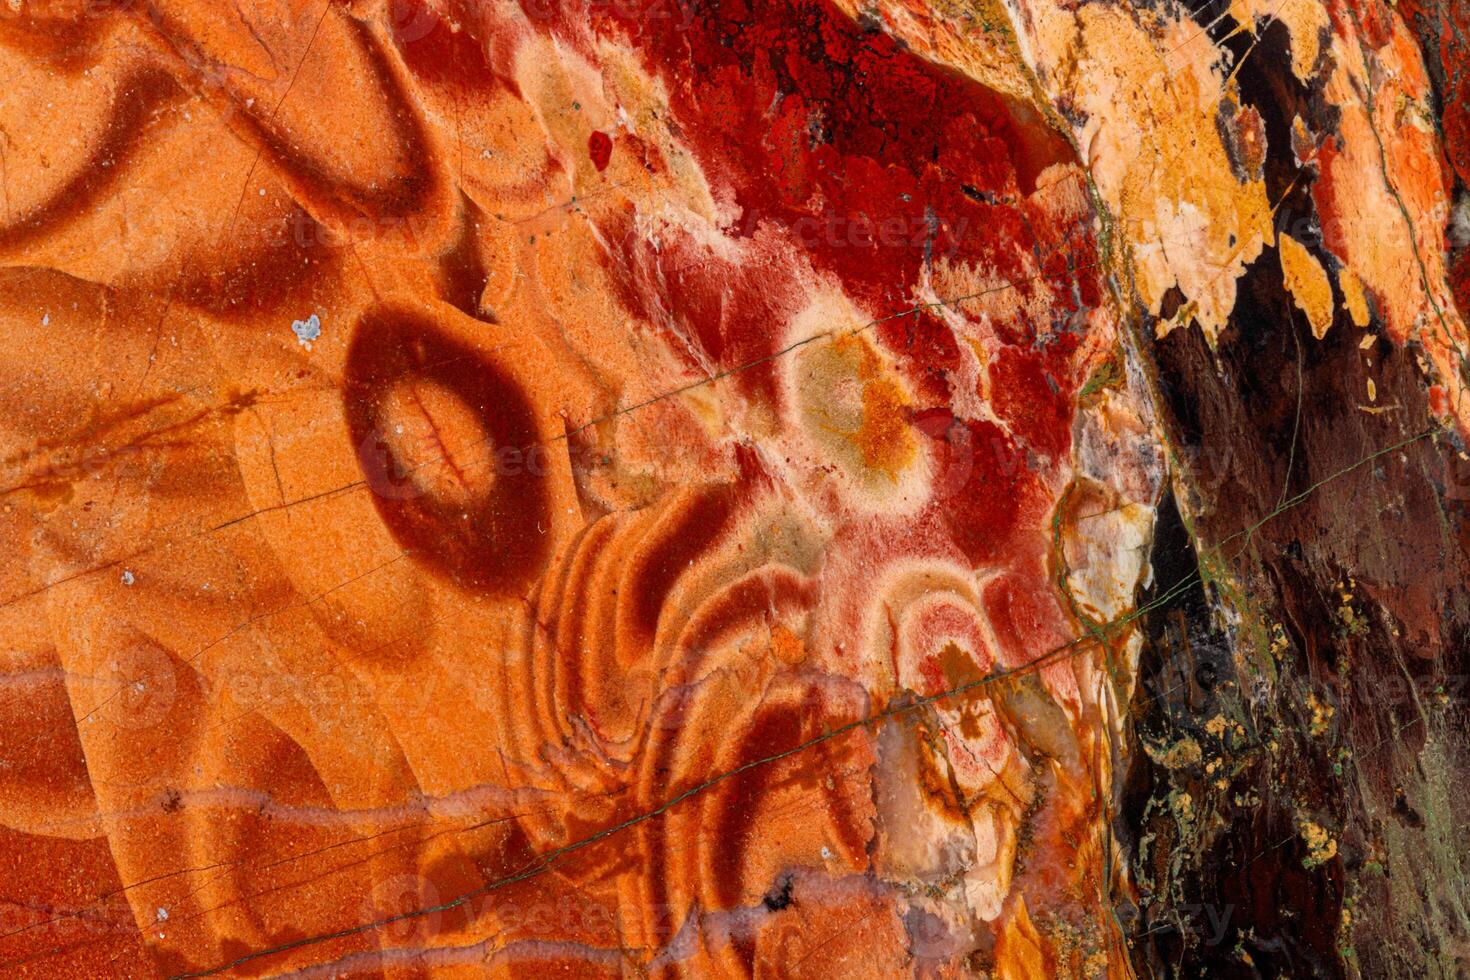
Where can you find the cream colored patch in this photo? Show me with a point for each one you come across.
(979, 42)
(1105, 544)
(642, 102)
(1157, 157)
(572, 98)
(1307, 282)
(851, 404)
(1183, 753)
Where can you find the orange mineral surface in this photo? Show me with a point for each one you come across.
(634, 487)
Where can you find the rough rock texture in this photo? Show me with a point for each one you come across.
(767, 487)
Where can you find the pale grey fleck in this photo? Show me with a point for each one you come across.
(307, 330)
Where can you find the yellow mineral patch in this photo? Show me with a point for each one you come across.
(1352, 296)
(982, 360)
(1157, 156)
(1321, 714)
(883, 436)
(1018, 951)
(1184, 805)
(1307, 281)
(1185, 752)
(1320, 845)
(1279, 643)
(854, 403)
(1304, 22)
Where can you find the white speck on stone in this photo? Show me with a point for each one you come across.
(1459, 227)
(307, 330)
(45, 319)
(262, 192)
(127, 577)
(826, 854)
(162, 914)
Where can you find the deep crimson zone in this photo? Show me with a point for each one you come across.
(874, 163)
(840, 148)
(834, 131)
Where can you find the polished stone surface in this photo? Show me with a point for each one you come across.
(641, 487)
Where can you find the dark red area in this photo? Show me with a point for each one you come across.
(874, 165)
(599, 148)
(872, 160)
(1460, 281)
(688, 538)
(498, 544)
(927, 348)
(1034, 402)
(837, 151)
(1025, 621)
(65, 907)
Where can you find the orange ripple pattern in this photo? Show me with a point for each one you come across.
(455, 530)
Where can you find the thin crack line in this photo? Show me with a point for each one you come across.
(682, 389)
(566, 435)
(1098, 635)
(1063, 652)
